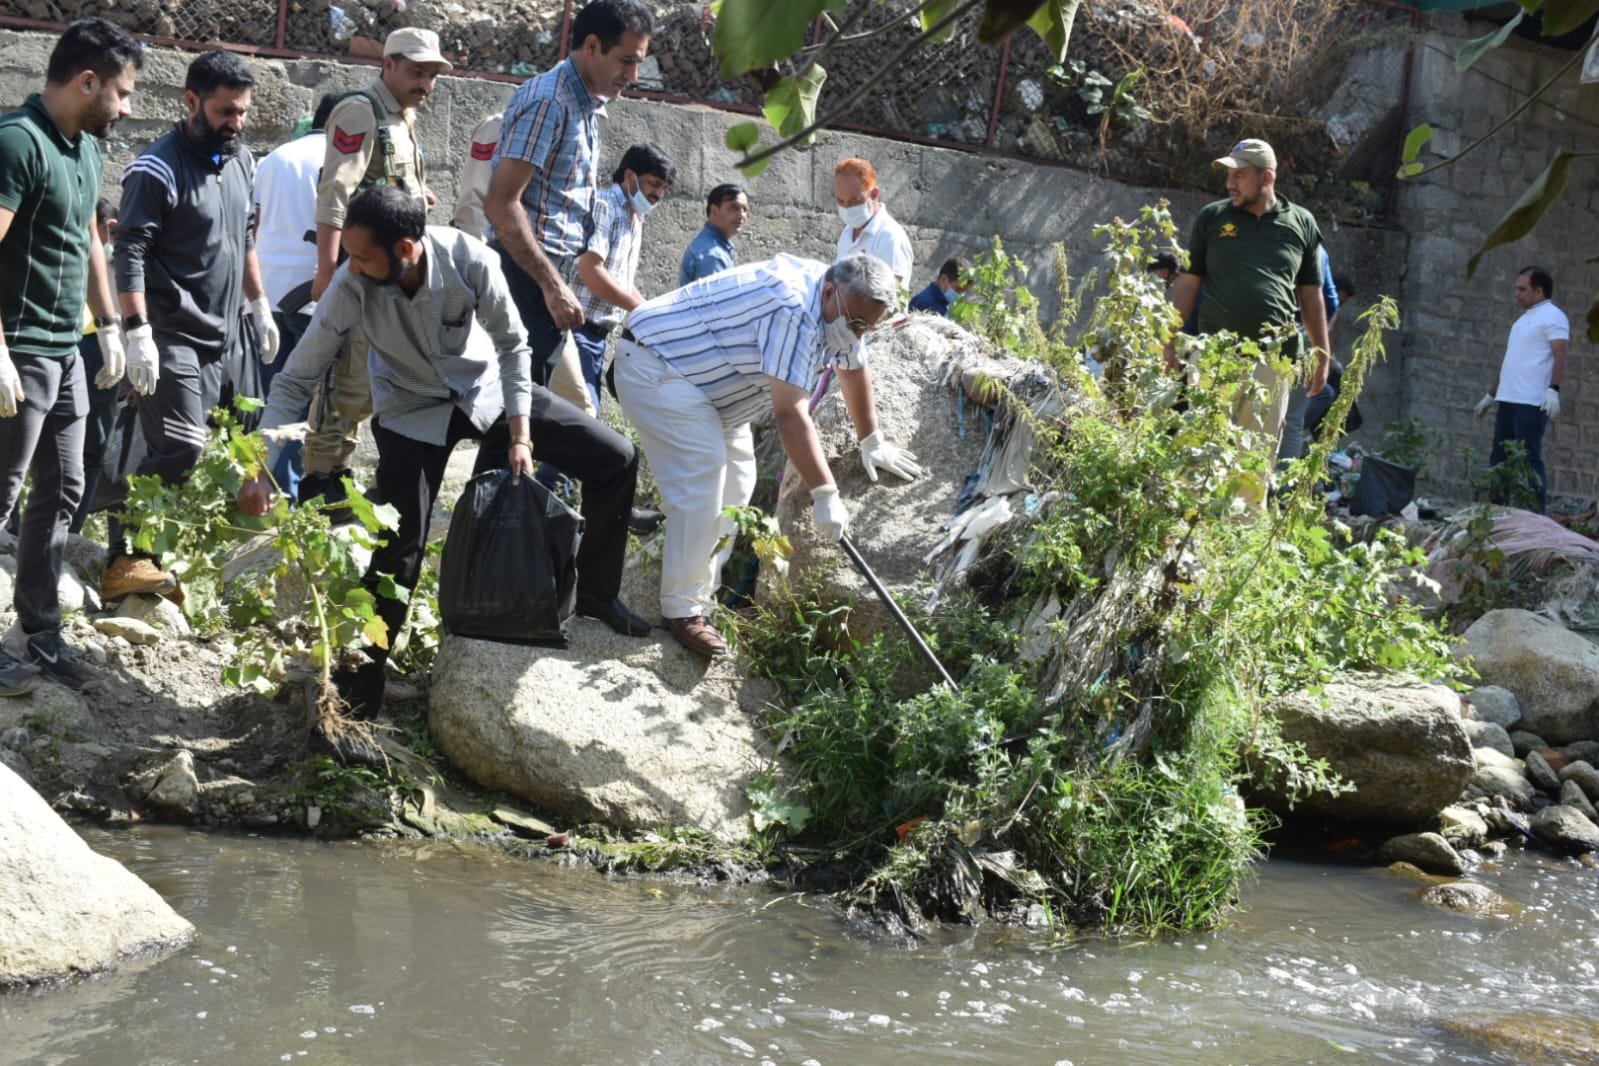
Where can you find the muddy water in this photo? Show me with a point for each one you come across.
(343, 953)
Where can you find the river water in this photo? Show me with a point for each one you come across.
(315, 952)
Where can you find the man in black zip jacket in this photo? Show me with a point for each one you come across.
(186, 265)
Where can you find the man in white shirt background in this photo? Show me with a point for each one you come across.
(1527, 387)
(868, 227)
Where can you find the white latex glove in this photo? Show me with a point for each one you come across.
(1551, 403)
(827, 511)
(877, 454)
(144, 362)
(266, 330)
(1483, 404)
(11, 396)
(113, 356)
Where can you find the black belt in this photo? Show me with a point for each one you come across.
(627, 335)
(596, 328)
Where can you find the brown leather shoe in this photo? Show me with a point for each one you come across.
(697, 635)
(126, 574)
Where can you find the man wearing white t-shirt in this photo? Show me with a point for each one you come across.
(285, 243)
(1528, 386)
(868, 227)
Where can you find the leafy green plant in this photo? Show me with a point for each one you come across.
(1410, 442)
(1511, 481)
(998, 305)
(305, 602)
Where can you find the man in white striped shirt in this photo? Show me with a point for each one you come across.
(695, 366)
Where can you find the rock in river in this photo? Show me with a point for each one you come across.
(1429, 851)
(1490, 703)
(1488, 735)
(1471, 898)
(637, 733)
(1401, 746)
(1553, 671)
(1566, 829)
(63, 909)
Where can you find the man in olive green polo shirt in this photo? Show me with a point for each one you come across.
(51, 265)
(1255, 255)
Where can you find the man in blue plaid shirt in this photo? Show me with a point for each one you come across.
(545, 167)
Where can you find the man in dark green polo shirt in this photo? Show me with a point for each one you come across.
(1255, 255)
(51, 265)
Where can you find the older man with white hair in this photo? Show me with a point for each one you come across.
(694, 367)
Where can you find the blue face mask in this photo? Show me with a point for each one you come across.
(640, 202)
(951, 297)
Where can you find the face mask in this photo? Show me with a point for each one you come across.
(856, 216)
(836, 334)
(640, 202)
(952, 297)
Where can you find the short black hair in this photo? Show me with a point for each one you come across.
(1344, 285)
(1540, 278)
(1163, 261)
(721, 194)
(214, 70)
(95, 44)
(644, 159)
(954, 267)
(389, 213)
(608, 20)
(324, 109)
(104, 211)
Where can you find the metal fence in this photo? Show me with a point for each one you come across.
(1003, 101)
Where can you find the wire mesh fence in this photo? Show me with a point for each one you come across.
(1150, 90)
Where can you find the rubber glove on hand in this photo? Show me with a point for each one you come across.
(144, 361)
(266, 330)
(11, 396)
(113, 357)
(827, 511)
(877, 454)
(1483, 404)
(1551, 403)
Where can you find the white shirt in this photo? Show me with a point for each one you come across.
(475, 174)
(285, 197)
(1529, 356)
(884, 238)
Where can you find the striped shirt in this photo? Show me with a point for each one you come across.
(553, 124)
(50, 182)
(730, 333)
(432, 353)
(616, 238)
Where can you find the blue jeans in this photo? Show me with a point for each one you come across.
(1524, 422)
(289, 467)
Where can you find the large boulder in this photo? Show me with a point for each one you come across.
(916, 369)
(63, 909)
(1553, 672)
(1401, 745)
(637, 733)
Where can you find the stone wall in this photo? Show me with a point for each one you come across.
(951, 202)
(1455, 327)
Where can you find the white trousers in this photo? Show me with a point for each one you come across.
(700, 466)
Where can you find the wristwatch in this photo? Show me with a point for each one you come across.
(135, 321)
(107, 321)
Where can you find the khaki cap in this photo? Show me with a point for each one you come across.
(417, 45)
(1249, 153)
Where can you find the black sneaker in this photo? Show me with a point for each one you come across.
(58, 661)
(16, 679)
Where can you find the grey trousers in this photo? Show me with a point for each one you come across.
(45, 440)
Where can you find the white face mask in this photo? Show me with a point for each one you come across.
(640, 202)
(856, 216)
(836, 334)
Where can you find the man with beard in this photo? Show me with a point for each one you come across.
(371, 141)
(449, 362)
(51, 263)
(185, 265)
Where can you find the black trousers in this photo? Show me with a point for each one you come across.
(543, 336)
(408, 477)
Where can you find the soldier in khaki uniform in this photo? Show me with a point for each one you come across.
(371, 141)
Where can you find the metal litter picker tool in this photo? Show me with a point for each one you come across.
(893, 608)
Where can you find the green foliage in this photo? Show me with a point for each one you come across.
(197, 524)
(1528, 211)
(1103, 779)
(1410, 442)
(998, 305)
(1511, 481)
(751, 34)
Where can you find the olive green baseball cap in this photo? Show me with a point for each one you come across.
(1251, 153)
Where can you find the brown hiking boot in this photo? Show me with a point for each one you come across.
(126, 574)
(697, 635)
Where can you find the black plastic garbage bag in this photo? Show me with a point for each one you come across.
(1383, 489)
(509, 571)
